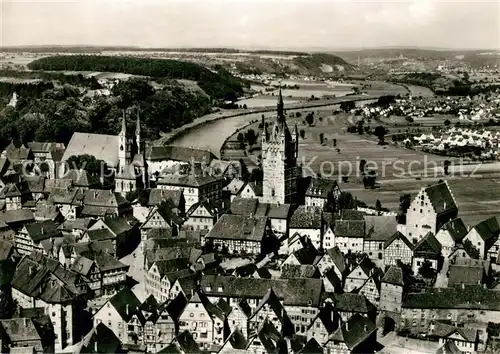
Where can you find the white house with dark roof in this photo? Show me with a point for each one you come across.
(451, 234)
(39, 236)
(398, 249)
(243, 234)
(196, 184)
(333, 259)
(379, 229)
(427, 249)
(202, 216)
(350, 232)
(484, 237)
(307, 221)
(159, 158)
(318, 190)
(121, 313)
(431, 208)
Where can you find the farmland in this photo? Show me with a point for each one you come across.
(399, 170)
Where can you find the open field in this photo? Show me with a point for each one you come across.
(476, 188)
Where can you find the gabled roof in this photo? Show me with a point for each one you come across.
(441, 198)
(102, 147)
(394, 275)
(149, 305)
(299, 271)
(398, 236)
(239, 227)
(380, 227)
(328, 317)
(175, 306)
(456, 229)
(194, 179)
(172, 266)
(157, 196)
(353, 333)
(351, 302)
(444, 330)
(127, 305)
(337, 257)
(488, 229)
(178, 153)
(237, 340)
(103, 198)
(244, 206)
(427, 246)
(102, 338)
(449, 348)
(461, 274)
(350, 228)
(319, 187)
(100, 235)
(42, 230)
(20, 330)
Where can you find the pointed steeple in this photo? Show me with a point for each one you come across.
(138, 125)
(124, 125)
(281, 110)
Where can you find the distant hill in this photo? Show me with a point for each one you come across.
(219, 83)
(323, 63)
(475, 58)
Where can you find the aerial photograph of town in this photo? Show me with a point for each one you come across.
(249, 176)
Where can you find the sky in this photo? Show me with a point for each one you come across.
(291, 24)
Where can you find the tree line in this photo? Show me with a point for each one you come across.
(218, 84)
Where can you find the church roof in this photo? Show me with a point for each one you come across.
(102, 147)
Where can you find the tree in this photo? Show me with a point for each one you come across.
(88, 163)
(320, 119)
(426, 270)
(404, 202)
(471, 249)
(321, 138)
(347, 106)
(334, 142)
(241, 140)
(251, 137)
(362, 165)
(378, 205)
(447, 122)
(380, 133)
(346, 201)
(298, 114)
(302, 133)
(330, 202)
(244, 174)
(369, 179)
(310, 119)
(360, 127)
(446, 166)
(131, 196)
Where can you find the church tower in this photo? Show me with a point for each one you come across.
(279, 160)
(123, 145)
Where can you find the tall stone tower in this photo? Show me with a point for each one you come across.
(124, 146)
(279, 160)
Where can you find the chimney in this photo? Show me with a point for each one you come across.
(347, 325)
(42, 231)
(25, 322)
(366, 328)
(95, 346)
(127, 311)
(31, 270)
(463, 286)
(444, 206)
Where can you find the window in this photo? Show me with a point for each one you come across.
(191, 314)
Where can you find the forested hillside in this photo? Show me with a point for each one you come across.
(48, 112)
(218, 84)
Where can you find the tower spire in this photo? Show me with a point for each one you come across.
(124, 124)
(281, 113)
(138, 125)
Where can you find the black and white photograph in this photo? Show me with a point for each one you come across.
(249, 176)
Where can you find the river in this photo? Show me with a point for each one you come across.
(210, 136)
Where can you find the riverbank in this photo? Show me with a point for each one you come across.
(169, 138)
